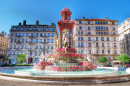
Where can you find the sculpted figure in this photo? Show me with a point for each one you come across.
(65, 39)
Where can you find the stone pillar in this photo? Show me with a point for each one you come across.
(61, 31)
(70, 33)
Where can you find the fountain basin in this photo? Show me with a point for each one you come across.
(72, 78)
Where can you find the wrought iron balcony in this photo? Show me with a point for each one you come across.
(18, 42)
(32, 36)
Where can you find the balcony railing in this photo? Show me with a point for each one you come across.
(18, 42)
(19, 36)
(32, 36)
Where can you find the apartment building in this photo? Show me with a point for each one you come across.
(124, 36)
(33, 40)
(98, 38)
(4, 42)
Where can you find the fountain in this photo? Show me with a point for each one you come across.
(65, 66)
(65, 57)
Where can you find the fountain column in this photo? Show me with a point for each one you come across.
(61, 32)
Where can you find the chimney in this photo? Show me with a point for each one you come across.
(37, 22)
(83, 18)
(106, 18)
(91, 18)
(24, 22)
(52, 24)
(19, 24)
(5, 33)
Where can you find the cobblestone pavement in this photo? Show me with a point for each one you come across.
(13, 83)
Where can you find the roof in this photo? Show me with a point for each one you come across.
(65, 10)
(95, 20)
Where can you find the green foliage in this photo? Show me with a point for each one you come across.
(102, 59)
(85, 59)
(24, 65)
(6, 57)
(123, 58)
(21, 58)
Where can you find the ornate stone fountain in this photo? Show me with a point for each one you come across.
(65, 57)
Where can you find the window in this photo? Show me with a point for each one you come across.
(31, 40)
(102, 44)
(26, 34)
(89, 51)
(88, 22)
(108, 39)
(89, 33)
(82, 44)
(95, 22)
(48, 40)
(96, 38)
(23, 35)
(114, 38)
(81, 32)
(35, 53)
(12, 34)
(80, 22)
(30, 53)
(97, 51)
(113, 28)
(45, 29)
(48, 34)
(44, 34)
(48, 29)
(36, 47)
(40, 40)
(31, 34)
(89, 28)
(115, 51)
(80, 27)
(52, 41)
(82, 38)
(113, 23)
(52, 35)
(108, 45)
(82, 51)
(26, 40)
(78, 44)
(89, 38)
(41, 35)
(115, 45)
(78, 32)
(48, 47)
(53, 29)
(25, 46)
(15, 34)
(89, 44)
(102, 38)
(22, 40)
(103, 52)
(108, 51)
(78, 51)
(97, 45)
(78, 38)
(37, 35)
(51, 47)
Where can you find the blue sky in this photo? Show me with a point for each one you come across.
(47, 11)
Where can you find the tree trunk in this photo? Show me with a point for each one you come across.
(103, 64)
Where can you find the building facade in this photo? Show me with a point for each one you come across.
(98, 38)
(4, 43)
(33, 40)
(124, 36)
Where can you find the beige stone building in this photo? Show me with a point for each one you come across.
(4, 42)
(124, 36)
(97, 37)
(33, 40)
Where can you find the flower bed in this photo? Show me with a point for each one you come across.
(69, 68)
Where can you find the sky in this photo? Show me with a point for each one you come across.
(48, 11)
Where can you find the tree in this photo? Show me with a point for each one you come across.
(6, 57)
(123, 58)
(21, 58)
(102, 60)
